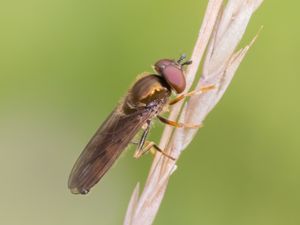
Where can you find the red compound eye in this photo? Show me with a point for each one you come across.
(172, 72)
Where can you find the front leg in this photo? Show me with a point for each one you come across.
(192, 93)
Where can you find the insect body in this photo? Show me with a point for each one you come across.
(144, 101)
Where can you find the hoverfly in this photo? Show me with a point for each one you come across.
(146, 99)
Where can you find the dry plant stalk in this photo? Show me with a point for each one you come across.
(222, 29)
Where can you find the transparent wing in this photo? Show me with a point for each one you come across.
(104, 148)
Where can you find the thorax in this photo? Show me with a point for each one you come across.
(150, 94)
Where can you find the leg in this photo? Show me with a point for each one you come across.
(148, 147)
(146, 128)
(195, 92)
(144, 136)
(141, 150)
(178, 125)
(142, 140)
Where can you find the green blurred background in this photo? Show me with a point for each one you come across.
(64, 64)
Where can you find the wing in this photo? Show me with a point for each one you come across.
(104, 148)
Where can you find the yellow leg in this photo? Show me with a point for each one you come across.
(189, 94)
(178, 125)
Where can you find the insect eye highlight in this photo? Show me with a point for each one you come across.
(162, 64)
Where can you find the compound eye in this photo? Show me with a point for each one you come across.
(175, 78)
(162, 64)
